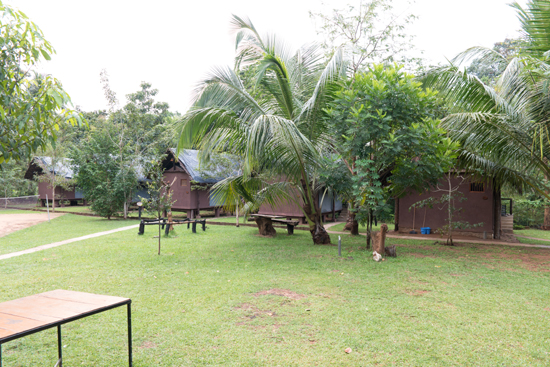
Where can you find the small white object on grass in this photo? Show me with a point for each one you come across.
(376, 256)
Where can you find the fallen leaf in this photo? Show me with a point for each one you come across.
(348, 350)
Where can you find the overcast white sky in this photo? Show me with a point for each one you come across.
(172, 44)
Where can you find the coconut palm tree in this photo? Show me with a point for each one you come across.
(504, 129)
(267, 111)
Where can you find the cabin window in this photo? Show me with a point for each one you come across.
(477, 187)
(183, 182)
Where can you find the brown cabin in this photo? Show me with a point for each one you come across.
(183, 169)
(482, 205)
(63, 168)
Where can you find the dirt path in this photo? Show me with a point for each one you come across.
(461, 240)
(13, 222)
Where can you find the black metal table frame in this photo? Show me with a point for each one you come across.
(70, 319)
(164, 222)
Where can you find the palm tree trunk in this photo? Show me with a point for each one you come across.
(311, 207)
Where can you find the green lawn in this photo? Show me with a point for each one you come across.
(229, 297)
(362, 229)
(61, 228)
(13, 211)
(536, 233)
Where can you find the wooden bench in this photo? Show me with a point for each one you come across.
(266, 227)
(290, 224)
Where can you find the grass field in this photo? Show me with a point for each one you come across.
(61, 228)
(229, 297)
(535, 233)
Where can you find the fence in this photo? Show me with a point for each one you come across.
(22, 202)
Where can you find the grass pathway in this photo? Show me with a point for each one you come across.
(60, 243)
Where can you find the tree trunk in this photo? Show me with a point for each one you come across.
(318, 232)
(237, 214)
(53, 198)
(379, 240)
(265, 226)
(126, 210)
(170, 222)
(351, 224)
(369, 231)
(546, 225)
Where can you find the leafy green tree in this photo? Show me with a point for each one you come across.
(147, 122)
(383, 126)
(12, 181)
(279, 133)
(370, 32)
(99, 175)
(488, 72)
(33, 106)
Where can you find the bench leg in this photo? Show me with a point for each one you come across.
(194, 227)
(290, 229)
(129, 335)
(59, 347)
(141, 228)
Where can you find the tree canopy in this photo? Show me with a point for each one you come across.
(276, 131)
(383, 124)
(32, 105)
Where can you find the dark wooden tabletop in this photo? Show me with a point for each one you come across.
(30, 314)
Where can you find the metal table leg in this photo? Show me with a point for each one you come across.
(59, 347)
(129, 335)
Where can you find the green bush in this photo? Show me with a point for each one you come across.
(529, 213)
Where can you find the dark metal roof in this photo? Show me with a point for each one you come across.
(63, 167)
(189, 159)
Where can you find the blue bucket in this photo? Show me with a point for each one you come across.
(425, 230)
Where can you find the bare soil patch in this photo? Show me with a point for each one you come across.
(147, 345)
(13, 222)
(280, 292)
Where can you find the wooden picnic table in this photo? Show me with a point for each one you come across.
(32, 314)
(265, 223)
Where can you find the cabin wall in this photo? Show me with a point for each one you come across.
(181, 189)
(293, 210)
(44, 189)
(478, 208)
(185, 198)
